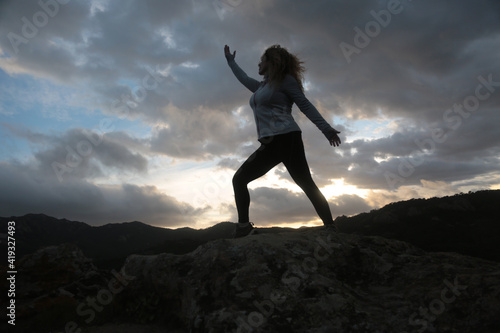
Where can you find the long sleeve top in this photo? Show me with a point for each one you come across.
(272, 107)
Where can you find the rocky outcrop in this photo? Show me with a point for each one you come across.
(311, 280)
(306, 280)
(52, 285)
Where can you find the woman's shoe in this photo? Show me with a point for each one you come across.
(331, 227)
(243, 229)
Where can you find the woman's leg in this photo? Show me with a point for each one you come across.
(296, 164)
(257, 165)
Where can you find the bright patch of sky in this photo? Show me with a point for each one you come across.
(187, 114)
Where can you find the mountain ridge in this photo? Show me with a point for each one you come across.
(463, 223)
(294, 280)
(466, 223)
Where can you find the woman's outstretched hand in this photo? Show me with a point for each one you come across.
(228, 54)
(333, 138)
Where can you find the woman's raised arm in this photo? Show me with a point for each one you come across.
(250, 83)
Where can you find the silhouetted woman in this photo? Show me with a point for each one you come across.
(278, 133)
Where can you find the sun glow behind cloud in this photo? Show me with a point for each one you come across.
(339, 188)
(174, 148)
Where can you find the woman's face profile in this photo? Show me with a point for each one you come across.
(263, 65)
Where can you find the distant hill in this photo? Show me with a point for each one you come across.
(110, 244)
(463, 223)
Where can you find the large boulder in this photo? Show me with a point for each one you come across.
(51, 285)
(312, 280)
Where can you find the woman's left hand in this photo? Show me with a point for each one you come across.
(229, 56)
(333, 138)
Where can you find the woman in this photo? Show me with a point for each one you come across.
(278, 133)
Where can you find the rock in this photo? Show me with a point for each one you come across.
(310, 280)
(53, 268)
(124, 328)
(50, 285)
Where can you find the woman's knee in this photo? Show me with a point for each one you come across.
(239, 179)
(309, 187)
(304, 181)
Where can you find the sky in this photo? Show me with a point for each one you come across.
(121, 110)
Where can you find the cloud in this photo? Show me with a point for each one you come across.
(62, 179)
(82, 200)
(198, 134)
(122, 40)
(161, 64)
(81, 153)
(349, 204)
(79, 199)
(272, 206)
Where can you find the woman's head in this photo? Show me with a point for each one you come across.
(277, 62)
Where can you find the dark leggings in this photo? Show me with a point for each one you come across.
(289, 149)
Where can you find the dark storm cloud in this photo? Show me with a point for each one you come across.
(79, 199)
(162, 62)
(418, 61)
(59, 181)
(81, 153)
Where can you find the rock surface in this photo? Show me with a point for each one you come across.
(306, 280)
(311, 280)
(50, 285)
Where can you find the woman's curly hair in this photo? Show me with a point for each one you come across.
(281, 62)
